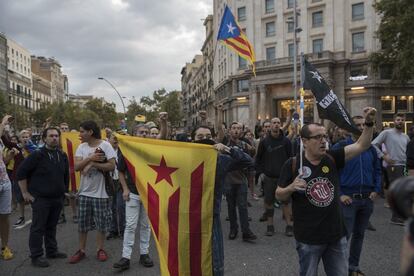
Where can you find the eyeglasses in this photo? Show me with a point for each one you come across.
(318, 137)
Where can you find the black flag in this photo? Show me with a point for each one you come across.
(329, 106)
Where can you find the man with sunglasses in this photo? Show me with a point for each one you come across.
(318, 224)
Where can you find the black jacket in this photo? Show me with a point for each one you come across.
(272, 153)
(47, 173)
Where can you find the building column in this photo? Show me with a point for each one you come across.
(253, 106)
(262, 103)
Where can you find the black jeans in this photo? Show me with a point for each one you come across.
(236, 195)
(118, 213)
(45, 216)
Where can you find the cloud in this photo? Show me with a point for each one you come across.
(139, 45)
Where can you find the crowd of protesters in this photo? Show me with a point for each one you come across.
(326, 203)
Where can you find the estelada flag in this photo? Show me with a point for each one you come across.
(234, 37)
(329, 106)
(175, 181)
(70, 141)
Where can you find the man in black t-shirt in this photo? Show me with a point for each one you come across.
(272, 153)
(317, 218)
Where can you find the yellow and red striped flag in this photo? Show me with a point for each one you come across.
(234, 37)
(70, 141)
(175, 181)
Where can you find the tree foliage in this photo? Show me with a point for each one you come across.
(97, 109)
(103, 113)
(397, 38)
(162, 101)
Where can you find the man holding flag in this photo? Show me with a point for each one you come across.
(318, 223)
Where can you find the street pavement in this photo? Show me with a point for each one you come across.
(267, 256)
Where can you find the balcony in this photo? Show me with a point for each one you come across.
(324, 55)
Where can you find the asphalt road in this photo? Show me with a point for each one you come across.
(268, 256)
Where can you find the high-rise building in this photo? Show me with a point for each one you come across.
(3, 64)
(50, 69)
(19, 76)
(80, 100)
(42, 92)
(336, 36)
(191, 79)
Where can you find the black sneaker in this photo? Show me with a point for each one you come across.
(263, 217)
(356, 273)
(233, 234)
(122, 264)
(270, 230)
(397, 221)
(57, 255)
(289, 231)
(371, 227)
(21, 221)
(249, 236)
(145, 260)
(40, 262)
(62, 219)
(111, 236)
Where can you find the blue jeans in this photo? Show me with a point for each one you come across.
(356, 217)
(217, 247)
(333, 256)
(236, 195)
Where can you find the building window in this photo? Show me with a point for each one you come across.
(358, 42)
(358, 11)
(317, 45)
(243, 85)
(290, 4)
(386, 72)
(241, 14)
(290, 50)
(290, 25)
(270, 29)
(242, 63)
(269, 6)
(317, 19)
(270, 53)
(402, 104)
(388, 104)
(358, 70)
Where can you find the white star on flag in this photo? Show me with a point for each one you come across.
(231, 28)
(316, 76)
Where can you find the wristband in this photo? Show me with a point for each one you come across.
(371, 124)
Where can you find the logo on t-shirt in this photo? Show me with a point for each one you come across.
(320, 191)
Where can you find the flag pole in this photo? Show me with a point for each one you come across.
(302, 104)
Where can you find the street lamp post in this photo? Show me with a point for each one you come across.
(120, 97)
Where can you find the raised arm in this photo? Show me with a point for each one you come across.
(163, 118)
(364, 141)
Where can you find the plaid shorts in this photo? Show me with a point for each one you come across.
(95, 210)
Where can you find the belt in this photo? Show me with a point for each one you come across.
(360, 196)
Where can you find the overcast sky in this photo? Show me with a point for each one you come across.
(138, 45)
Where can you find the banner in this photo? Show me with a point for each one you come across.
(70, 141)
(329, 106)
(175, 181)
